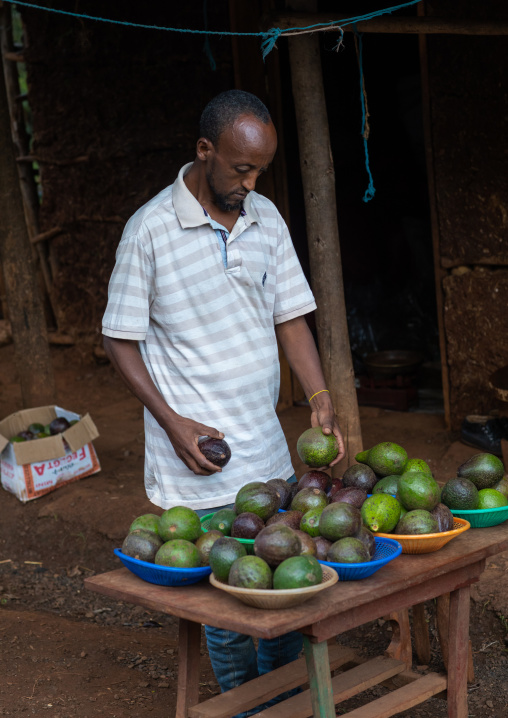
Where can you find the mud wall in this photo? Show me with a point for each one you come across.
(115, 115)
(469, 110)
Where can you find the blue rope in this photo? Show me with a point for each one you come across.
(269, 38)
(370, 191)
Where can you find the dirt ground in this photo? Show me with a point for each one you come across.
(68, 653)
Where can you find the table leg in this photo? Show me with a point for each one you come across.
(189, 645)
(318, 669)
(400, 645)
(458, 644)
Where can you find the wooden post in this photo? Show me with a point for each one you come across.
(189, 642)
(33, 361)
(318, 178)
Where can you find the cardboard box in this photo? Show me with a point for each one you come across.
(33, 468)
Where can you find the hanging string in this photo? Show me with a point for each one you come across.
(370, 191)
(268, 38)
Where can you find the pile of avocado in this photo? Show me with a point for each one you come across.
(42, 431)
(173, 539)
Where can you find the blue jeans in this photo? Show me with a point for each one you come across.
(234, 659)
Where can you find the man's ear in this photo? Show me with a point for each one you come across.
(204, 148)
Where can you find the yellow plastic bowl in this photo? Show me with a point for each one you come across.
(280, 598)
(427, 543)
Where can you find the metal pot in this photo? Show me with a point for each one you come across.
(392, 362)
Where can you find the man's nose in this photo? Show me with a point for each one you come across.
(249, 182)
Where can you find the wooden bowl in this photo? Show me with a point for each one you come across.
(282, 598)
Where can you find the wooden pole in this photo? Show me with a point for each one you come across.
(318, 178)
(33, 361)
(21, 142)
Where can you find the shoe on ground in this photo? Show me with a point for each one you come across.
(483, 432)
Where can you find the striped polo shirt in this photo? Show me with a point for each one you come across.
(206, 332)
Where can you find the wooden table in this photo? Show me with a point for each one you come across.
(405, 582)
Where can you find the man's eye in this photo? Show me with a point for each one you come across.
(242, 170)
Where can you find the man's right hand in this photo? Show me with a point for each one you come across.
(184, 435)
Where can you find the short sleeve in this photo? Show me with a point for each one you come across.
(127, 311)
(293, 296)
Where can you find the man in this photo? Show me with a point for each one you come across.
(206, 280)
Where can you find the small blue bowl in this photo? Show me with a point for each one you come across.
(163, 575)
(386, 550)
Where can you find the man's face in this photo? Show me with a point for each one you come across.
(232, 167)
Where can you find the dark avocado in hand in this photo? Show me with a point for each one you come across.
(215, 450)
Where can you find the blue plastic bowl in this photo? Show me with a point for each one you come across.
(386, 550)
(163, 575)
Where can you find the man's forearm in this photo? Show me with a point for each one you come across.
(125, 357)
(299, 347)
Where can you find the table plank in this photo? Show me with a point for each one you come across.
(203, 603)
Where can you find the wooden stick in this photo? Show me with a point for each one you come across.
(52, 160)
(439, 272)
(44, 236)
(458, 653)
(318, 178)
(13, 56)
(394, 24)
(318, 668)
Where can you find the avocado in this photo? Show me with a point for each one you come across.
(289, 518)
(222, 520)
(367, 538)
(294, 491)
(417, 465)
(417, 490)
(460, 493)
(316, 449)
(298, 572)
(258, 498)
(315, 479)
(491, 499)
(385, 458)
(484, 470)
(308, 499)
(58, 425)
(147, 522)
(310, 521)
(348, 550)
(360, 476)
(339, 520)
(387, 485)
(417, 522)
(336, 486)
(350, 495)
(283, 489)
(276, 543)
(322, 546)
(204, 545)
(215, 450)
(179, 522)
(36, 428)
(380, 512)
(223, 554)
(23, 436)
(178, 553)
(142, 545)
(250, 572)
(308, 547)
(502, 486)
(247, 525)
(444, 517)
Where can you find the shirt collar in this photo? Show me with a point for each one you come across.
(189, 211)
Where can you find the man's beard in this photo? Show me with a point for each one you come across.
(222, 201)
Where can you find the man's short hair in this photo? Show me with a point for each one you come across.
(224, 109)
